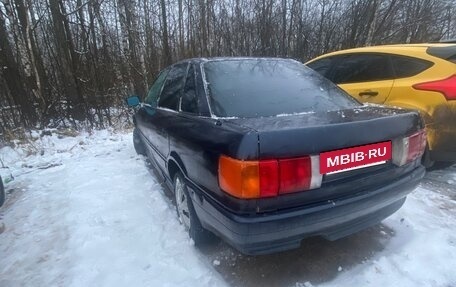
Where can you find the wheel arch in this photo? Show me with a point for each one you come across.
(175, 165)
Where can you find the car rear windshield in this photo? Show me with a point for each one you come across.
(268, 87)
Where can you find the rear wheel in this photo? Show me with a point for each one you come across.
(138, 143)
(426, 159)
(186, 213)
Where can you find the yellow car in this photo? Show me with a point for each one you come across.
(416, 76)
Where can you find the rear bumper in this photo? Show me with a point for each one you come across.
(283, 230)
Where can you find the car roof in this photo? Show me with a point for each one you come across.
(217, 59)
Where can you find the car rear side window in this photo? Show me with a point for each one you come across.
(407, 66)
(362, 68)
(189, 102)
(268, 87)
(170, 94)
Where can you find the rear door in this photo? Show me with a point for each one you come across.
(367, 77)
(410, 71)
(156, 121)
(168, 105)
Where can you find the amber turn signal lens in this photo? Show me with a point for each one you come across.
(239, 178)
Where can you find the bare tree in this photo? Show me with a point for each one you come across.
(69, 62)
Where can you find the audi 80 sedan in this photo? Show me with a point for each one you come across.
(264, 152)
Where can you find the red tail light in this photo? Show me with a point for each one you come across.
(417, 146)
(295, 174)
(408, 149)
(268, 178)
(446, 86)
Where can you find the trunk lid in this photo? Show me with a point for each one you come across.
(310, 134)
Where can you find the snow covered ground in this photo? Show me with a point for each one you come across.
(86, 211)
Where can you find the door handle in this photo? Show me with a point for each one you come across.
(368, 94)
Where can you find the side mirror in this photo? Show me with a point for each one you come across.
(133, 101)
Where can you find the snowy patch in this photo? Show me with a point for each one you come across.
(98, 218)
(295, 114)
(422, 252)
(216, 262)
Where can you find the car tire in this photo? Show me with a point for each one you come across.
(138, 143)
(186, 213)
(426, 159)
(2, 192)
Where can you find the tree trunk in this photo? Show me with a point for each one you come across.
(166, 49)
(65, 60)
(14, 79)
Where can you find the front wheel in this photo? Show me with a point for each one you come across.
(186, 213)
